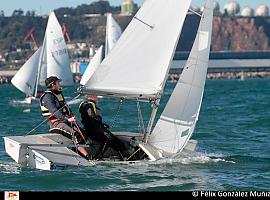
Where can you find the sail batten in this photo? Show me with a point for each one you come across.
(142, 56)
(178, 120)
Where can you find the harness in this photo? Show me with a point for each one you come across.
(45, 111)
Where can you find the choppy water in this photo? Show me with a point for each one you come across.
(233, 153)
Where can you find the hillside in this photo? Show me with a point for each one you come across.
(235, 34)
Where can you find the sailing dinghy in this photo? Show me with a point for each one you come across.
(51, 59)
(147, 58)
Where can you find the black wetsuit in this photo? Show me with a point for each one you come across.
(96, 129)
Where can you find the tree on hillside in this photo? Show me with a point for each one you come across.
(2, 13)
(31, 13)
(98, 7)
(17, 13)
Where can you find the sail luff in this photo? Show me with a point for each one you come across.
(106, 39)
(178, 120)
(40, 65)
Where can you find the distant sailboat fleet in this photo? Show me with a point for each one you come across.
(151, 39)
(51, 59)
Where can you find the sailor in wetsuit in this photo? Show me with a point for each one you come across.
(97, 130)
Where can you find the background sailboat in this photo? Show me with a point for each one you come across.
(113, 33)
(51, 59)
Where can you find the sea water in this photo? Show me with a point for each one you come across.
(233, 153)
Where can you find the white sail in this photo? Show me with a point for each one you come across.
(178, 120)
(113, 33)
(138, 64)
(43, 65)
(25, 78)
(92, 66)
(58, 63)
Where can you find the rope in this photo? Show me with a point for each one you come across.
(140, 118)
(52, 115)
(78, 129)
(117, 113)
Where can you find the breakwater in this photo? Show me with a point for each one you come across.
(227, 75)
(173, 77)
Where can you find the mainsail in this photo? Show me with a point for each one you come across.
(58, 63)
(113, 33)
(178, 120)
(138, 64)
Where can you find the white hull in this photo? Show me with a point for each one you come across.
(53, 151)
(43, 151)
(30, 100)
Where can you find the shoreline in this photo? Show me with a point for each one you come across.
(227, 76)
(6, 79)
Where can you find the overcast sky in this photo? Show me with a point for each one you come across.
(45, 6)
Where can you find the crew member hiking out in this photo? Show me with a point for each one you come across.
(97, 130)
(59, 115)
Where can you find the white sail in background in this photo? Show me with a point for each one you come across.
(113, 33)
(51, 59)
(178, 120)
(92, 66)
(43, 65)
(25, 78)
(58, 63)
(138, 64)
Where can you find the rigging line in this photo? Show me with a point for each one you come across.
(140, 117)
(48, 118)
(133, 154)
(117, 113)
(152, 27)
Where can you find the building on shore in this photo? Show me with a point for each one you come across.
(127, 7)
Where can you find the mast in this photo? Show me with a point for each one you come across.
(155, 105)
(106, 39)
(39, 65)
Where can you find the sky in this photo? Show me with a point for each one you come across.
(45, 6)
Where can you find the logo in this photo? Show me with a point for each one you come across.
(39, 159)
(12, 195)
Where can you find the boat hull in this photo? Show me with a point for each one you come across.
(54, 151)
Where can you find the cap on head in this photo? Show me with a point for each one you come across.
(92, 97)
(51, 80)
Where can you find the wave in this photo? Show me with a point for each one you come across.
(196, 157)
(10, 168)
